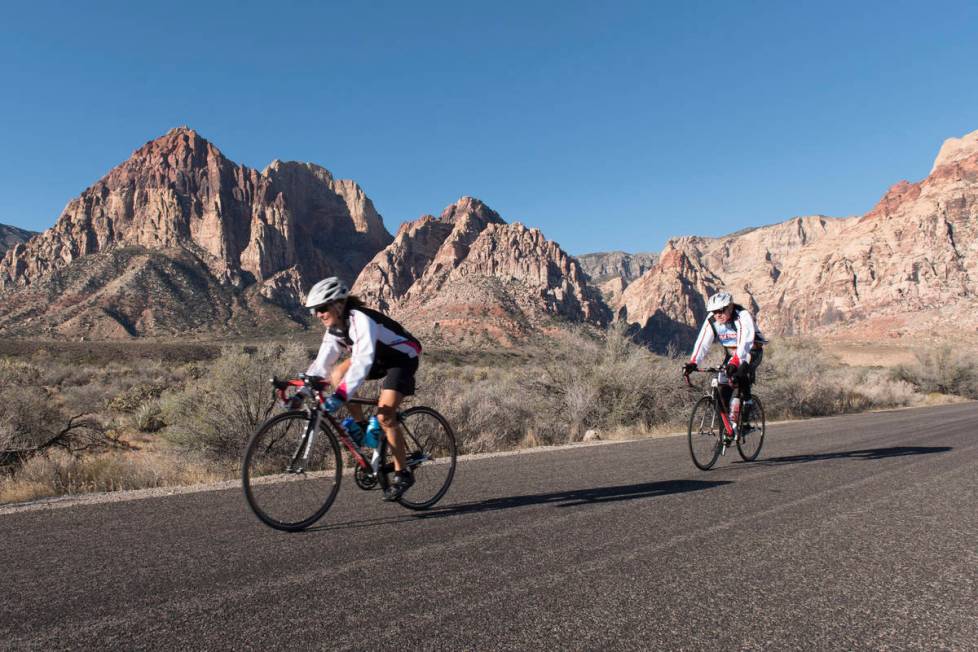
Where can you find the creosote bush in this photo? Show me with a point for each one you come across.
(217, 413)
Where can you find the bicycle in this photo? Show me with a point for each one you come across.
(293, 464)
(710, 431)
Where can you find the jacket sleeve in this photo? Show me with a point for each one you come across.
(703, 343)
(745, 338)
(329, 353)
(363, 332)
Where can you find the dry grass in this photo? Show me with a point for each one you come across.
(59, 473)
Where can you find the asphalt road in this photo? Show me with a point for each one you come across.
(849, 533)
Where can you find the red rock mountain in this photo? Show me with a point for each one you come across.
(179, 238)
(468, 275)
(907, 268)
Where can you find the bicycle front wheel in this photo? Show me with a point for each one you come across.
(290, 482)
(752, 432)
(705, 428)
(431, 455)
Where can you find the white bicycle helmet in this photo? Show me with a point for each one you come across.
(327, 290)
(719, 301)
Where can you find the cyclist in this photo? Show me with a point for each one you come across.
(379, 347)
(733, 326)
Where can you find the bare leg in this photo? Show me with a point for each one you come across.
(336, 377)
(387, 416)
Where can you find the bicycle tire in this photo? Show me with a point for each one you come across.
(704, 442)
(432, 455)
(751, 440)
(290, 500)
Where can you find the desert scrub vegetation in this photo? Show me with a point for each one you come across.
(942, 370)
(138, 421)
(799, 379)
(215, 413)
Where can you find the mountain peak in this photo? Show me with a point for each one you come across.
(957, 149)
(470, 206)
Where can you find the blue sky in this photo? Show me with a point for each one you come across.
(608, 125)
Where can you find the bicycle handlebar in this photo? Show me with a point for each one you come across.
(314, 383)
(704, 370)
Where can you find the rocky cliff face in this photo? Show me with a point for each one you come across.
(268, 235)
(11, 235)
(611, 272)
(907, 267)
(468, 274)
(605, 266)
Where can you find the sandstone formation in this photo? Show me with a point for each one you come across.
(11, 235)
(907, 267)
(469, 274)
(611, 272)
(256, 239)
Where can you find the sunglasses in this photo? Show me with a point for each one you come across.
(318, 310)
(719, 312)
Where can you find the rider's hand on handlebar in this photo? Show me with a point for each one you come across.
(689, 368)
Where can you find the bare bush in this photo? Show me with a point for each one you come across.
(32, 423)
(943, 370)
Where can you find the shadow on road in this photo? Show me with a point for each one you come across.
(572, 498)
(867, 454)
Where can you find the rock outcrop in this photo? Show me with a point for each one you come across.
(469, 274)
(260, 236)
(907, 267)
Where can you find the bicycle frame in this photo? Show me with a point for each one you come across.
(722, 407)
(316, 415)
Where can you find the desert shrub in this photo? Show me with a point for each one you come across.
(485, 405)
(554, 393)
(25, 421)
(800, 379)
(148, 417)
(217, 413)
(943, 370)
(32, 419)
(607, 382)
(135, 396)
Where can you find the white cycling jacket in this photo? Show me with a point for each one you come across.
(371, 338)
(737, 336)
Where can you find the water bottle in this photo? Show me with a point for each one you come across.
(734, 411)
(353, 429)
(374, 433)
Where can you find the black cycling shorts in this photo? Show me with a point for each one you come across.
(400, 378)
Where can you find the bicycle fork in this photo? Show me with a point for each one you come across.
(301, 454)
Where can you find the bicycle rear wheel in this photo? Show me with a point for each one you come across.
(431, 455)
(705, 428)
(284, 490)
(752, 433)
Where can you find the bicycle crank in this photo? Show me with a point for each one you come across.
(365, 479)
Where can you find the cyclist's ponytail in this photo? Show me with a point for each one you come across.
(352, 302)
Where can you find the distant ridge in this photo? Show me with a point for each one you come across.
(11, 235)
(907, 268)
